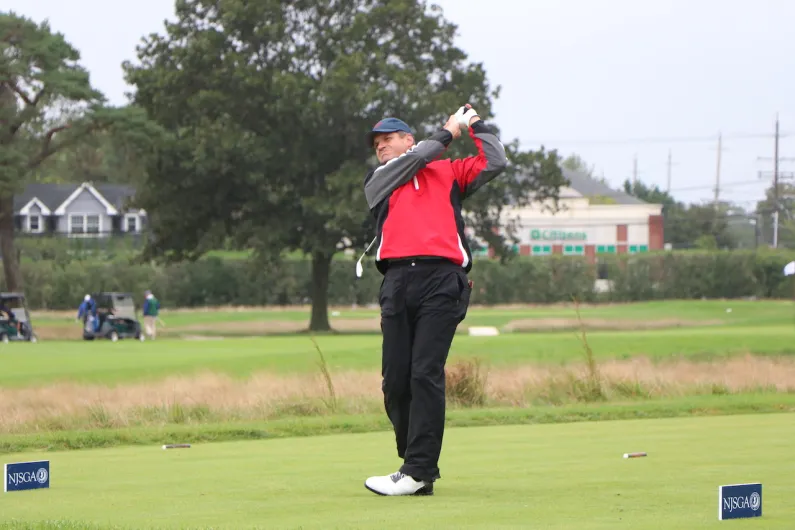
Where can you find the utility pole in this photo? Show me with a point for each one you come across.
(635, 171)
(668, 186)
(775, 186)
(717, 172)
(777, 177)
(775, 164)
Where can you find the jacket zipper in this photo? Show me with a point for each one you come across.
(416, 183)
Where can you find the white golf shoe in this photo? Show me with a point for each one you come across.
(398, 484)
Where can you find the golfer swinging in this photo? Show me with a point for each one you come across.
(424, 257)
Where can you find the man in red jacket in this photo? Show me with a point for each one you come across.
(423, 254)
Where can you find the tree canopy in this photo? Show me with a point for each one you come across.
(268, 104)
(47, 105)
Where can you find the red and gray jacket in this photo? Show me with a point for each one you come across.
(416, 199)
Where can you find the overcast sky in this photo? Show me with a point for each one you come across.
(607, 79)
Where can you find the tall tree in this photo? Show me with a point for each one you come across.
(101, 158)
(650, 194)
(575, 162)
(47, 104)
(693, 225)
(269, 103)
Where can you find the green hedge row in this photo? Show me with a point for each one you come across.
(215, 281)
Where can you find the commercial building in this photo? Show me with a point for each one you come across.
(592, 219)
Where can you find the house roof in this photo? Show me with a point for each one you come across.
(586, 186)
(589, 187)
(54, 195)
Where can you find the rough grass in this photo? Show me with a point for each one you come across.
(56, 524)
(214, 397)
(299, 426)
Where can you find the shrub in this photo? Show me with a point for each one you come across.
(61, 283)
(465, 384)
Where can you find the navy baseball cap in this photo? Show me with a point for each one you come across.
(387, 125)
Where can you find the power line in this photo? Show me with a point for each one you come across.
(725, 185)
(671, 139)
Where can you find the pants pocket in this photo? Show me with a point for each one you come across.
(465, 291)
(391, 297)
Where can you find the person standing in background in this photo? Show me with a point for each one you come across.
(87, 312)
(151, 311)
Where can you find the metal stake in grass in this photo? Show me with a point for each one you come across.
(176, 446)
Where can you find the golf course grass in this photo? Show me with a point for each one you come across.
(106, 362)
(535, 430)
(540, 476)
(742, 312)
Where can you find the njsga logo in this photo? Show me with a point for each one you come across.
(752, 501)
(756, 501)
(26, 477)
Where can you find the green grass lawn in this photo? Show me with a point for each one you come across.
(541, 476)
(757, 313)
(106, 362)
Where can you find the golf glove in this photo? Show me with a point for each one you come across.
(464, 114)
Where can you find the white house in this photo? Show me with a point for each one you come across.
(77, 210)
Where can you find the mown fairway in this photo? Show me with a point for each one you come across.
(742, 312)
(699, 329)
(106, 362)
(541, 476)
(103, 361)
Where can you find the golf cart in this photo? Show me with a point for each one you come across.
(17, 326)
(116, 318)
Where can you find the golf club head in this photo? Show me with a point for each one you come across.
(359, 268)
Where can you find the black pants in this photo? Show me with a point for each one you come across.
(422, 303)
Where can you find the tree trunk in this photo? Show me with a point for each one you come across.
(321, 268)
(10, 263)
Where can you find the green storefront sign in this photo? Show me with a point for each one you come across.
(557, 235)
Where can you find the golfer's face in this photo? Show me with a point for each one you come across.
(391, 145)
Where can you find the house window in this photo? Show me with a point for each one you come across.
(92, 224)
(34, 223)
(84, 224)
(542, 250)
(574, 250)
(634, 249)
(605, 249)
(131, 223)
(76, 224)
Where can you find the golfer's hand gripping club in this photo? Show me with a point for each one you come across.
(465, 115)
